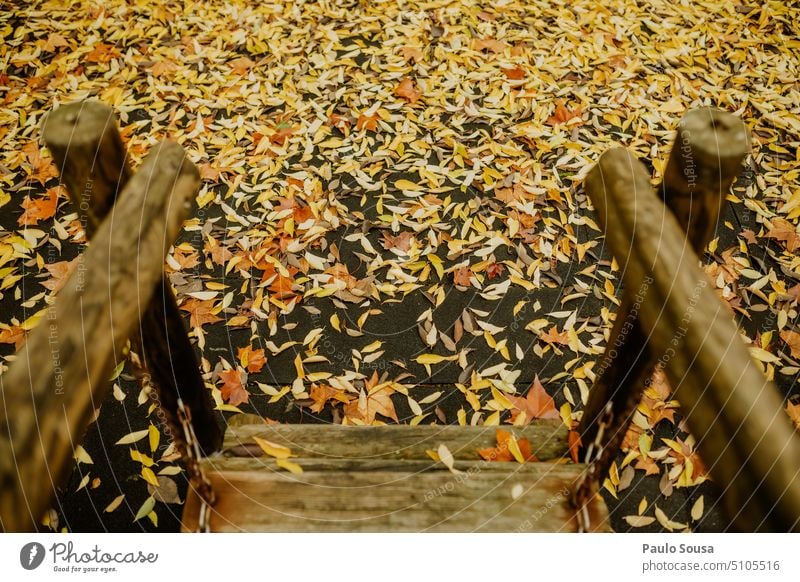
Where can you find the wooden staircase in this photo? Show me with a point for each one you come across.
(384, 479)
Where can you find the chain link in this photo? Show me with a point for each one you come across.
(197, 477)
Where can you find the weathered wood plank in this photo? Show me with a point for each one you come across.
(61, 374)
(394, 501)
(706, 157)
(88, 149)
(748, 443)
(548, 439)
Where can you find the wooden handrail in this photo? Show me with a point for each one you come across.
(751, 448)
(706, 157)
(87, 147)
(60, 376)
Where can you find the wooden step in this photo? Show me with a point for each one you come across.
(381, 479)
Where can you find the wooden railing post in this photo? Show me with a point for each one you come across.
(61, 374)
(706, 157)
(749, 444)
(87, 147)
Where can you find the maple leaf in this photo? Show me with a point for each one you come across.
(232, 389)
(12, 335)
(495, 46)
(793, 410)
(241, 65)
(322, 394)
(562, 114)
(503, 453)
(494, 270)
(408, 91)
(252, 360)
(462, 276)
(282, 133)
(401, 242)
(537, 403)
(54, 41)
(220, 255)
(186, 259)
(784, 231)
(368, 122)
(553, 336)
(515, 74)
(59, 274)
(411, 54)
(42, 169)
(36, 209)
(102, 53)
(340, 122)
(792, 339)
(163, 68)
(201, 311)
(648, 465)
(374, 399)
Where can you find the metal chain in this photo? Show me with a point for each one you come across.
(197, 477)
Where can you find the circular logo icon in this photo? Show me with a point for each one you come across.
(31, 555)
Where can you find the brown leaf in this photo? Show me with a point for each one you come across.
(241, 65)
(102, 53)
(201, 311)
(494, 270)
(281, 134)
(401, 242)
(411, 54)
(792, 339)
(784, 231)
(793, 410)
(233, 390)
(322, 394)
(491, 44)
(536, 404)
(408, 91)
(553, 336)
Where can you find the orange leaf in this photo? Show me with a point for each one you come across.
(462, 276)
(536, 404)
(792, 339)
(102, 53)
(37, 209)
(496, 46)
(408, 91)
(201, 311)
(368, 122)
(553, 336)
(281, 135)
(494, 270)
(501, 452)
(252, 360)
(241, 65)
(515, 74)
(562, 114)
(13, 335)
(411, 54)
(321, 394)
(233, 390)
(59, 274)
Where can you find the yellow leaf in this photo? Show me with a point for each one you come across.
(513, 448)
(289, 466)
(141, 458)
(149, 476)
(273, 449)
(407, 185)
(82, 456)
(154, 436)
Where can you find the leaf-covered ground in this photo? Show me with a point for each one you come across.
(391, 226)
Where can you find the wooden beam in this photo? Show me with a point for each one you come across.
(60, 376)
(254, 496)
(748, 443)
(706, 157)
(548, 439)
(88, 149)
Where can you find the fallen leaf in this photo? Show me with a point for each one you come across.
(537, 403)
(37, 209)
(232, 389)
(408, 91)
